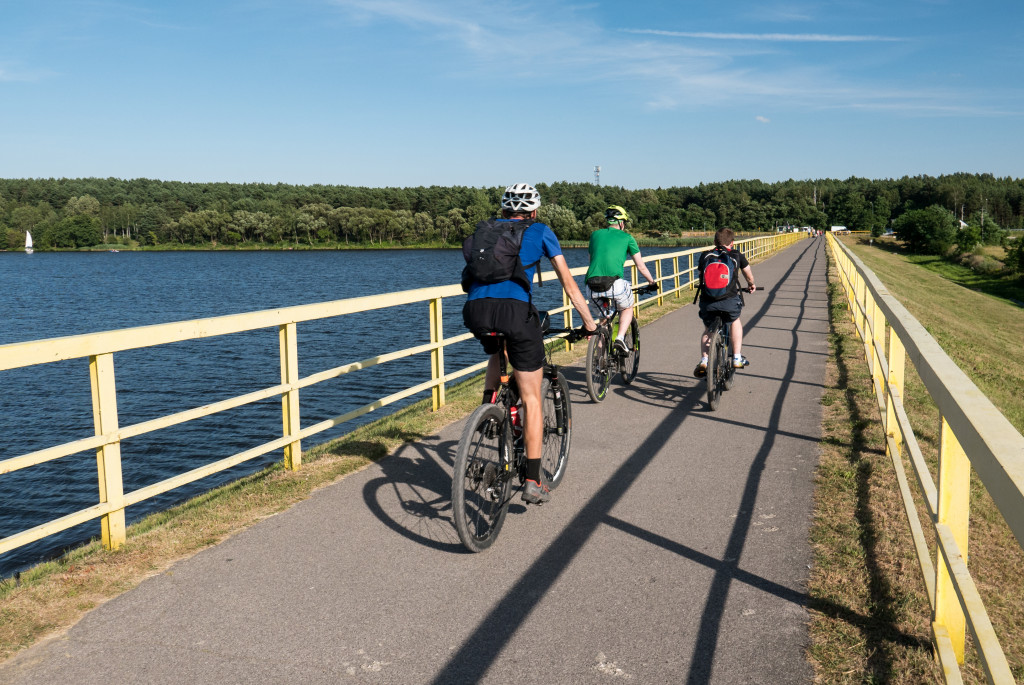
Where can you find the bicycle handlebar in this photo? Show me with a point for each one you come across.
(573, 334)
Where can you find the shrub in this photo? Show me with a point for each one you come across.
(927, 231)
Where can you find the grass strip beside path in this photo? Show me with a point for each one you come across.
(870, 614)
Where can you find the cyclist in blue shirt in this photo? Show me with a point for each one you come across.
(506, 308)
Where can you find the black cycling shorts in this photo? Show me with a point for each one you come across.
(516, 320)
(728, 309)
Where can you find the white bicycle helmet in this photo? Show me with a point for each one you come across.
(522, 197)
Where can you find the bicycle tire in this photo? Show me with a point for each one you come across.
(727, 369)
(557, 429)
(714, 371)
(631, 362)
(482, 478)
(599, 375)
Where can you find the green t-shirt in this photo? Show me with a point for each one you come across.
(609, 248)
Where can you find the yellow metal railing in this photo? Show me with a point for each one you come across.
(100, 349)
(972, 433)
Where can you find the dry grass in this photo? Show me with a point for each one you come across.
(53, 596)
(863, 555)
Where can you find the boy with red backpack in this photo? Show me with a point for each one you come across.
(719, 270)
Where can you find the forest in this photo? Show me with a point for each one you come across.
(96, 213)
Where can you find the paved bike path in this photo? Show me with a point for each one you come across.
(674, 551)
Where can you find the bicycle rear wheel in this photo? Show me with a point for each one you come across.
(599, 373)
(482, 479)
(557, 429)
(631, 362)
(715, 369)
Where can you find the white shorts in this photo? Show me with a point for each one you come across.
(621, 293)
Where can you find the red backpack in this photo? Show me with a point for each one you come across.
(718, 277)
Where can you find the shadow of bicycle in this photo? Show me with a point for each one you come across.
(413, 494)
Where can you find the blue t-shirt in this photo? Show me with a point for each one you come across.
(538, 241)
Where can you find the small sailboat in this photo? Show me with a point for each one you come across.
(28, 243)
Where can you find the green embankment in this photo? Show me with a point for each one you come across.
(870, 615)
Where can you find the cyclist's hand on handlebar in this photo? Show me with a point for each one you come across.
(580, 333)
(751, 288)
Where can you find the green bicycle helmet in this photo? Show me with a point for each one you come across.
(615, 213)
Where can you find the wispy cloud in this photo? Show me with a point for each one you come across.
(553, 44)
(763, 120)
(768, 37)
(782, 13)
(10, 74)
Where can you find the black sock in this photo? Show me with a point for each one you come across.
(533, 469)
(488, 396)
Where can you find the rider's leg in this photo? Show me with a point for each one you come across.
(491, 380)
(705, 343)
(625, 318)
(736, 335)
(529, 383)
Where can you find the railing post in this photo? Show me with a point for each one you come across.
(953, 511)
(690, 280)
(675, 276)
(567, 317)
(290, 399)
(859, 311)
(437, 355)
(657, 279)
(108, 457)
(897, 358)
(877, 344)
(634, 275)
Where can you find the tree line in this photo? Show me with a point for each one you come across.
(94, 212)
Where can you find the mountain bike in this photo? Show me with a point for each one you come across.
(490, 463)
(602, 358)
(720, 369)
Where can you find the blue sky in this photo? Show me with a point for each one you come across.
(453, 92)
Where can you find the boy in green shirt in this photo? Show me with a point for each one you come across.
(609, 248)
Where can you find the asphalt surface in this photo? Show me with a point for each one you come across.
(674, 551)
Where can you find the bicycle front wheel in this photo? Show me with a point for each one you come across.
(715, 370)
(557, 429)
(482, 479)
(599, 373)
(631, 362)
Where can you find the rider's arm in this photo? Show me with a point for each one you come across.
(642, 268)
(749, 275)
(573, 291)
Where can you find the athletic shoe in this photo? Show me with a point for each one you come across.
(701, 370)
(740, 363)
(536, 493)
(620, 347)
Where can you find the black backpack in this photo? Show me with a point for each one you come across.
(492, 254)
(719, 276)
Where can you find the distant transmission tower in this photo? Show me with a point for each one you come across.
(597, 175)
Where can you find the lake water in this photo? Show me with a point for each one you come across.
(58, 294)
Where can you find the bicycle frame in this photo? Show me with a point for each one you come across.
(602, 359)
(507, 397)
(491, 454)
